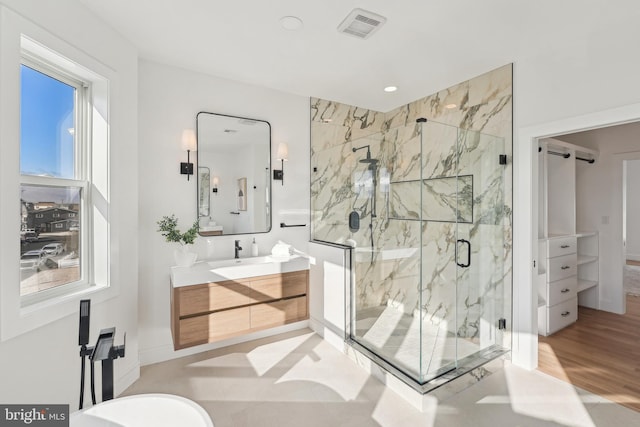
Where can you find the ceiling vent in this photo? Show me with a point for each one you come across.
(361, 23)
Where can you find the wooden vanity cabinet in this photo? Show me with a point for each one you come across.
(211, 312)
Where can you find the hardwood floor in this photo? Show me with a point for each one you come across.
(599, 353)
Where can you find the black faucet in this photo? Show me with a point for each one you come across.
(238, 248)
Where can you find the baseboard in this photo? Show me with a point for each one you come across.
(633, 257)
(329, 333)
(162, 353)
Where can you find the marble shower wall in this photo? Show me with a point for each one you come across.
(464, 140)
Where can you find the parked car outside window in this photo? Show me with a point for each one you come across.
(33, 259)
(53, 248)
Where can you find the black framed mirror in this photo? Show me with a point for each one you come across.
(234, 175)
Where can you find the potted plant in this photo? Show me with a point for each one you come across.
(168, 227)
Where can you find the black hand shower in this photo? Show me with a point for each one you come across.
(373, 168)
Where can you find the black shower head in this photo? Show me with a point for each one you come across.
(368, 159)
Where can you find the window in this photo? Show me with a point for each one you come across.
(54, 173)
(79, 182)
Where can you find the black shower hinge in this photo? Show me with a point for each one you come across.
(502, 324)
(503, 159)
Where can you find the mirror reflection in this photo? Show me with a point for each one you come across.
(234, 185)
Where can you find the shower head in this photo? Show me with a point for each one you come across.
(368, 159)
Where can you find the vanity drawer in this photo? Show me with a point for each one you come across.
(280, 286)
(562, 315)
(562, 267)
(278, 312)
(212, 296)
(561, 246)
(214, 326)
(562, 290)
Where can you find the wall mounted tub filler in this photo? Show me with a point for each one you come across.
(104, 351)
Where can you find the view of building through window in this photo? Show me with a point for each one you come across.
(52, 186)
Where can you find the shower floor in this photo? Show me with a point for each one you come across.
(396, 337)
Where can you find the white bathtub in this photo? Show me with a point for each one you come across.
(143, 410)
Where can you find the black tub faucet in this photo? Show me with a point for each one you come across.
(238, 248)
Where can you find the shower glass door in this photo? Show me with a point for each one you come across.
(480, 241)
(444, 203)
(427, 222)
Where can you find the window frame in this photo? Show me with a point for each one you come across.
(18, 34)
(82, 173)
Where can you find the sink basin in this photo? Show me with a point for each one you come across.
(257, 266)
(218, 271)
(245, 261)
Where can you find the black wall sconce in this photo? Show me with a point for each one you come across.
(283, 156)
(189, 145)
(214, 185)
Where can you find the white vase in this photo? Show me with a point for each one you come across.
(183, 257)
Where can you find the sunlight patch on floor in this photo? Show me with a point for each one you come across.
(548, 399)
(346, 382)
(266, 357)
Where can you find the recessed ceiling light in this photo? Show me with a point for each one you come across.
(390, 89)
(450, 106)
(291, 23)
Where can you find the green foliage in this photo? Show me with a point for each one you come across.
(168, 227)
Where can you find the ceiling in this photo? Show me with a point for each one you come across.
(425, 45)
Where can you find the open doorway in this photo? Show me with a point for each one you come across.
(595, 352)
(631, 230)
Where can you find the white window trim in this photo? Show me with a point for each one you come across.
(82, 171)
(18, 34)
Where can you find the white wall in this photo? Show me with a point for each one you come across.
(330, 278)
(42, 366)
(633, 210)
(169, 100)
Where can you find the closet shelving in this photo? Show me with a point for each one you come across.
(567, 259)
(588, 268)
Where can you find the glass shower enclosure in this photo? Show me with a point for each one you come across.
(428, 222)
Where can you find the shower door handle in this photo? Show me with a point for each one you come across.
(468, 243)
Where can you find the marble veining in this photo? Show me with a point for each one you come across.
(407, 251)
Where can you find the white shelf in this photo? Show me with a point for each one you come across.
(583, 285)
(541, 302)
(584, 259)
(559, 235)
(586, 234)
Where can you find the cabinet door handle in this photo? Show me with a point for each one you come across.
(565, 314)
(564, 246)
(565, 290)
(564, 267)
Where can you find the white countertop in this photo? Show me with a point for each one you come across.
(219, 271)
